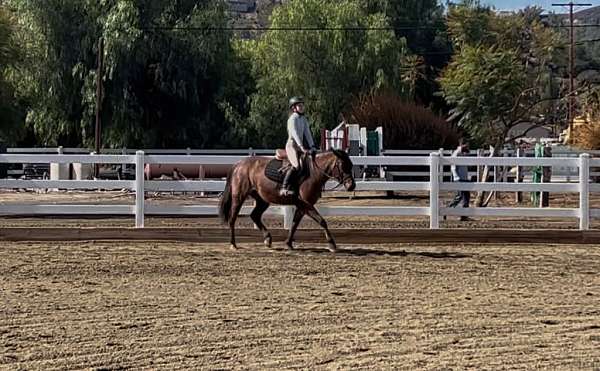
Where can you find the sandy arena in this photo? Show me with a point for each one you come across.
(122, 305)
(167, 305)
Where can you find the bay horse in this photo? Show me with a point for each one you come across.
(247, 178)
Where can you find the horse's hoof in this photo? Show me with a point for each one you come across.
(233, 247)
(268, 242)
(289, 246)
(332, 247)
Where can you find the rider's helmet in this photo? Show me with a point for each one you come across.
(295, 100)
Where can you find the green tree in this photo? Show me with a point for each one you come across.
(11, 128)
(164, 78)
(422, 24)
(499, 77)
(328, 65)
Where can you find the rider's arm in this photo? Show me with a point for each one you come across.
(292, 127)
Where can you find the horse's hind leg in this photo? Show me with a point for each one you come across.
(256, 216)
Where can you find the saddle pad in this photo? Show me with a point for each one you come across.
(273, 171)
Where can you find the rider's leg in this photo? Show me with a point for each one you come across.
(292, 154)
(287, 181)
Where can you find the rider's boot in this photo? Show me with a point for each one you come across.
(286, 186)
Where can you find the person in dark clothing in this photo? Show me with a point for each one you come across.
(460, 173)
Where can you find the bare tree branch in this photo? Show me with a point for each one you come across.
(524, 134)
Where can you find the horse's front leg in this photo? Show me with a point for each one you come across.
(298, 214)
(314, 214)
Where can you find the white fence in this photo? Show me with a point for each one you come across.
(560, 173)
(434, 186)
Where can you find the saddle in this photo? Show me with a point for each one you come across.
(281, 154)
(276, 168)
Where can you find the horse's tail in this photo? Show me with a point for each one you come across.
(225, 201)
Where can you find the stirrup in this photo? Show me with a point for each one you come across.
(286, 192)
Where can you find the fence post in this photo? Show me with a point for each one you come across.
(497, 175)
(434, 190)
(57, 170)
(479, 168)
(518, 195)
(584, 191)
(139, 189)
(288, 216)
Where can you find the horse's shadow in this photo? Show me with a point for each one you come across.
(376, 252)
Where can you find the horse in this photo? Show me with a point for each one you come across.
(247, 178)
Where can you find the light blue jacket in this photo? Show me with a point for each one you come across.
(299, 131)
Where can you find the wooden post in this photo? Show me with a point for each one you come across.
(98, 130)
(479, 168)
(496, 176)
(546, 177)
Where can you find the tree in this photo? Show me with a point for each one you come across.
(11, 114)
(498, 79)
(328, 65)
(422, 24)
(165, 76)
(587, 136)
(406, 125)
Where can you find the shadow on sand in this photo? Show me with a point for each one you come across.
(376, 252)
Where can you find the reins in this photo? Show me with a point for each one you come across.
(340, 183)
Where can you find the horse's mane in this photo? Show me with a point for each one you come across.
(343, 155)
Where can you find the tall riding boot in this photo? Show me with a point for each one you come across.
(286, 186)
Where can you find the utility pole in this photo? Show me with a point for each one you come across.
(571, 109)
(99, 73)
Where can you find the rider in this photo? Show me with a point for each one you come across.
(300, 140)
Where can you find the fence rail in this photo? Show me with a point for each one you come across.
(434, 185)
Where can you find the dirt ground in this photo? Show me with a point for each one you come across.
(121, 305)
(160, 305)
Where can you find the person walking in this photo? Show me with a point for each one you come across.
(460, 173)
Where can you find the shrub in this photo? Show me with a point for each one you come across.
(405, 125)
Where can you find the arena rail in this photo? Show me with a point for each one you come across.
(560, 173)
(434, 186)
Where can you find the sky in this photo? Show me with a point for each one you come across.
(545, 4)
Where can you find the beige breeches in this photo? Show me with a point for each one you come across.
(293, 153)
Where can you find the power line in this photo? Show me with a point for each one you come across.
(592, 25)
(582, 42)
(291, 28)
(302, 29)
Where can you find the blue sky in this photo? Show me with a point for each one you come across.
(546, 4)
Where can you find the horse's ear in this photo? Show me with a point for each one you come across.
(343, 155)
(338, 153)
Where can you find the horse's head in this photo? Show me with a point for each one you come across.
(339, 167)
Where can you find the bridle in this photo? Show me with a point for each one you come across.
(337, 167)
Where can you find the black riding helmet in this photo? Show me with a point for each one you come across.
(295, 100)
